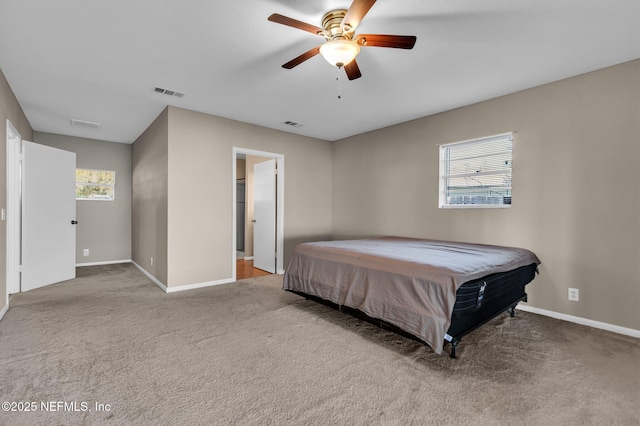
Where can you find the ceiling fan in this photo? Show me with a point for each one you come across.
(342, 44)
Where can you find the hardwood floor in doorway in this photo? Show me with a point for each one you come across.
(245, 269)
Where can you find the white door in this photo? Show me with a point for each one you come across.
(14, 219)
(48, 215)
(264, 214)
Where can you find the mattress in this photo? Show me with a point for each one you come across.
(409, 283)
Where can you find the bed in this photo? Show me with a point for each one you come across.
(429, 290)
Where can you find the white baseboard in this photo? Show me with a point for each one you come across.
(4, 311)
(199, 285)
(182, 287)
(582, 321)
(151, 277)
(108, 262)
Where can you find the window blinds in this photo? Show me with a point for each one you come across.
(477, 172)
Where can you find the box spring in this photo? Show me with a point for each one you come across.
(477, 302)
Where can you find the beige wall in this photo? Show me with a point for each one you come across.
(149, 181)
(9, 109)
(576, 187)
(200, 191)
(182, 193)
(104, 227)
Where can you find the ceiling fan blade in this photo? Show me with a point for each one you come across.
(356, 12)
(280, 19)
(353, 71)
(383, 40)
(300, 59)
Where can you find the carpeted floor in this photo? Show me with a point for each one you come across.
(249, 353)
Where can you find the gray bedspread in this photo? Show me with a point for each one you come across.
(410, 283)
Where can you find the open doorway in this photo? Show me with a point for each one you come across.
(248, 224)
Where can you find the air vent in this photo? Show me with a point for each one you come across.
(86, 124)
(168, 92)
(293, 124)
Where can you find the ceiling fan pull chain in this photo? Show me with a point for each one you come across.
(338, 80)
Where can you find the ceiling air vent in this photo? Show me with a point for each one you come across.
(168, 92)
(293, 124)
(85, 124)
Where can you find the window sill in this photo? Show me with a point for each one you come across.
(476, 206)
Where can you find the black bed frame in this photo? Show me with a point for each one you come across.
(477, 302)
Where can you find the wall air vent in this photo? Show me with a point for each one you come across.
(168, 92)
(85, 124)
(293, 124)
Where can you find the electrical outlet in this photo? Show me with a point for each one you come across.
(151, 261)
(85, 252)
(574, 294)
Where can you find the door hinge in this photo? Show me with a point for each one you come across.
(19, 268)
(275, 255)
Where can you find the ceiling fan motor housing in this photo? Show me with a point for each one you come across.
(333, 28)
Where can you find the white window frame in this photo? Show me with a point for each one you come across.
(444, 174)
(113, 185)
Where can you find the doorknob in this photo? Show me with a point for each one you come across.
(254, 221)
(74, 222)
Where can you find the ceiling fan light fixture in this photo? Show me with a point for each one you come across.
(339, 52)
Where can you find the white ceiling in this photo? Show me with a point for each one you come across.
(100, 61)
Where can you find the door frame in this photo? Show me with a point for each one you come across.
(279, 205)
(14, 209)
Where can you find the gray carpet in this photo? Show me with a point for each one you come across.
(249, 353)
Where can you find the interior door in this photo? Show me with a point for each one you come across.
(48, 215)
(264, 214)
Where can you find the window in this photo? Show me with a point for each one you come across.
(95, 184)
(476, 173)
